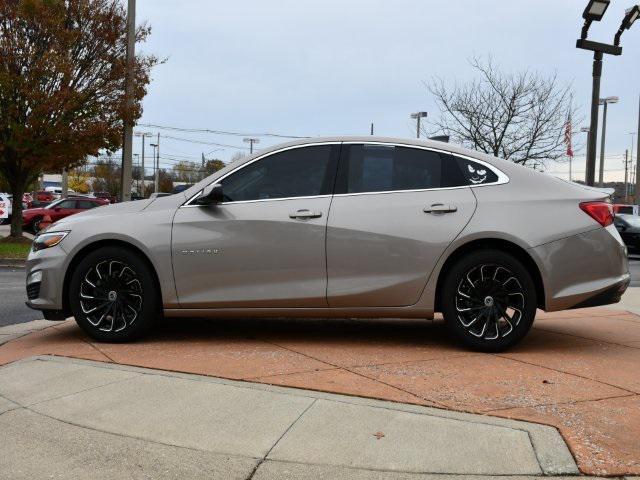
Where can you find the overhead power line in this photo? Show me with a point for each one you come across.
(202, 142)
(219, 132)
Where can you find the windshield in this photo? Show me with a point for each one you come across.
(54, 204)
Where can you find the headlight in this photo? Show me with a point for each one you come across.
(47, 240)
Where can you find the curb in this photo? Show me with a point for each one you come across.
(12, 262)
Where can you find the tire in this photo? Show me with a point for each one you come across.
(35, 225)
(113, 295)
(488, 300)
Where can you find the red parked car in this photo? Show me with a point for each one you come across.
(62, 208)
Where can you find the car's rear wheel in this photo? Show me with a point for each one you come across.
(113, 295)
(488, 300)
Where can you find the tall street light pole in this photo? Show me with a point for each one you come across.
(127, 144)
(417, 117)
(144, 136)
(637, 189)
(251, 142)
(155, 172)
(594, 12)
(586, 130)
(626, 176)
(605, 102)
(156, 182)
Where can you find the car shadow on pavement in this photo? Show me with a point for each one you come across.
(325, 330)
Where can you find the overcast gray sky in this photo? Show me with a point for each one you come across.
(322, 67)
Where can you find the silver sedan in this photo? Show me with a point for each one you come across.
(340, 227)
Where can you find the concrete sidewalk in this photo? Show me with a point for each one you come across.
(68, 418)
(630, 301)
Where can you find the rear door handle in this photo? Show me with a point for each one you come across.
(438, 208)
(305, 214)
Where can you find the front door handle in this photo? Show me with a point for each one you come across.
(305, 214)
(438, 208)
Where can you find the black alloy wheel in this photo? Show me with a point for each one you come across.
(488, 300)
(114, 295)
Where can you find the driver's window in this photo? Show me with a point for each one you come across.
(67, 204)
(299, 172)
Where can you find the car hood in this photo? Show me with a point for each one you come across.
(117, 209)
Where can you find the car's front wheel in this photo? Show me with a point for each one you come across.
(488, 300)
(113, 295)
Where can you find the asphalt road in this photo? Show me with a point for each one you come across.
(12, 298)
(12, 294)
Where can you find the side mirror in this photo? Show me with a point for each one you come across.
(211, 195)
(57, 209)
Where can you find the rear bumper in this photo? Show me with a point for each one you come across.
(583, 270)
(607, 297)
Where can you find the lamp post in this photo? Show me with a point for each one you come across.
(417, 116)
(155, 167)
(586, 130)
(144, 135)
(628, 161)
(605, 102)
(594, 12)
(637, 177)
(251, 142)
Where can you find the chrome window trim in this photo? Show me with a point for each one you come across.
(502, 177)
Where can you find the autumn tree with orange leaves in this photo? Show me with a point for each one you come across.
(62, 86)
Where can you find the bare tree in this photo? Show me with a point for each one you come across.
(520, 117)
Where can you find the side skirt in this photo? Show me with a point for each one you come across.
(377, 312)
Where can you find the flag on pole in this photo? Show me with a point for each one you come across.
(567, 136)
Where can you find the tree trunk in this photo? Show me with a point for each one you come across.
(16, 215)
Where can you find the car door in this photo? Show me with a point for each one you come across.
(264, 246)
(394, 212)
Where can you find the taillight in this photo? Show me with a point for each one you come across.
(601, 212)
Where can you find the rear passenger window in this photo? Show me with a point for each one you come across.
(381, 168)
(475, 173)
(86, 204)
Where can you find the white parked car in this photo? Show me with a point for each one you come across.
(5, 208)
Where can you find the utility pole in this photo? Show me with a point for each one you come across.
(65, 183)
(417, 117)
(251, 142)
(371, 128)
(127, 144)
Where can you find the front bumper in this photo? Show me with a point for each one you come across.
(588, 269)
(51, 262)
